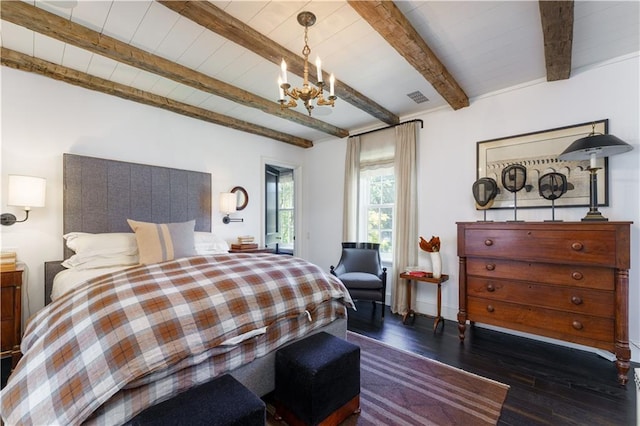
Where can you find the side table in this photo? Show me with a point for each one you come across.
(426, 279)
(253, 250)
(11, 297)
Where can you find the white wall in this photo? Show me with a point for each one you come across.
(43, 118)
(447, 162)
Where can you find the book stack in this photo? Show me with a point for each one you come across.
(7, 261)
(245, 242)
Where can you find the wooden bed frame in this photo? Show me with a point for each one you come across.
(100, 195)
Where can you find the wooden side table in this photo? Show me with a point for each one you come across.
(256, 250)
(426, 279)
(11, 313)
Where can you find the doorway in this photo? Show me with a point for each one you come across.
(279, 209)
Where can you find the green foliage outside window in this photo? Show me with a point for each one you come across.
(286, 225)
(380, 212)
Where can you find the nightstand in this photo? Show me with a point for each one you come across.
(11, 314)
(254, 250)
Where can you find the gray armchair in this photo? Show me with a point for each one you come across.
(361, 271)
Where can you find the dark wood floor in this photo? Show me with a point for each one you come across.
(550, 384)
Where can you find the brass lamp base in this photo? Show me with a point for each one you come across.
(594, 216)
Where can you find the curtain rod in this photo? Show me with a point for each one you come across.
(389, 127)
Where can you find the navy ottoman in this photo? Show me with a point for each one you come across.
(222, 401)
(317, 381)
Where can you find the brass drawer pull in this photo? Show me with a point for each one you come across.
(577, 325)
(576, 300)
(577, 275)
(490, 266)
(488, 242)
(490, 308)
(490, 288)
(577, 246)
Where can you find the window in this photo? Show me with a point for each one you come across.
(377, 195)
(286, 211)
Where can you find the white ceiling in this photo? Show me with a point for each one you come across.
(486, 45)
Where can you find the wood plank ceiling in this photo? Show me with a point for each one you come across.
(403, 31)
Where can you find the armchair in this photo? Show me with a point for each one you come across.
(361, 271)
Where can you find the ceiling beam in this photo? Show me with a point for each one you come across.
(43, 22)
(557, 29)
(217, 20)
(393, 26)
(21, 61)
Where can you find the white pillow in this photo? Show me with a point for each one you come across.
(118, 243)
(208, 243)
(82, 262)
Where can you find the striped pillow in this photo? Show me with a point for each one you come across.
(159, 242)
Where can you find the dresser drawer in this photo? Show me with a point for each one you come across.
(570, 299)
(12, 278)
(584, 329)
(597, 247)
(570, 275)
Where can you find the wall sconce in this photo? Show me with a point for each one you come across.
(593, 146)
(229, 204)
(25, 192)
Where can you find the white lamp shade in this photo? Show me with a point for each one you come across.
(228, 202)
(26, 191)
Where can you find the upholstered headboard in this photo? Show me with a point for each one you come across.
(100, 195)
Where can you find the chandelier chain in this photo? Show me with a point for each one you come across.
(306, 50)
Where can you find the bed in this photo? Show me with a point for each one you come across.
(119, 338)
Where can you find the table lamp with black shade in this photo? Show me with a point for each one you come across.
(595, 145)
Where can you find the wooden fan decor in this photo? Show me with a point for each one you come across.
(484, 192)
(551, 187)
(514, 178)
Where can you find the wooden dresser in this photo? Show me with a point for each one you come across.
(564, 280)
(11, 313)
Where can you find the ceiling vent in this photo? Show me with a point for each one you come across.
(418, 97)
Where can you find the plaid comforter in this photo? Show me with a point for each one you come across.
(124, 341)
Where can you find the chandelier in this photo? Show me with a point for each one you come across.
(307, 93)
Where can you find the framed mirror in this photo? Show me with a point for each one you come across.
(242, 197)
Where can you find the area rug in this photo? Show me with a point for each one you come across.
(402, 388)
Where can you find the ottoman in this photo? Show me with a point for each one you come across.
(317, 381)
(222, 401)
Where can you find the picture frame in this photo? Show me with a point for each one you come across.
(538, 152)
(242, 197)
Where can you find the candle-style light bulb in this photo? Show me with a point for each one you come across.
(332, 81)
(283, 66)
(280, 88)
(319, 69)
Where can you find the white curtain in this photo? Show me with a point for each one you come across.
(405, 237)
(351, 190)
(397, 147)
(366, 152)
